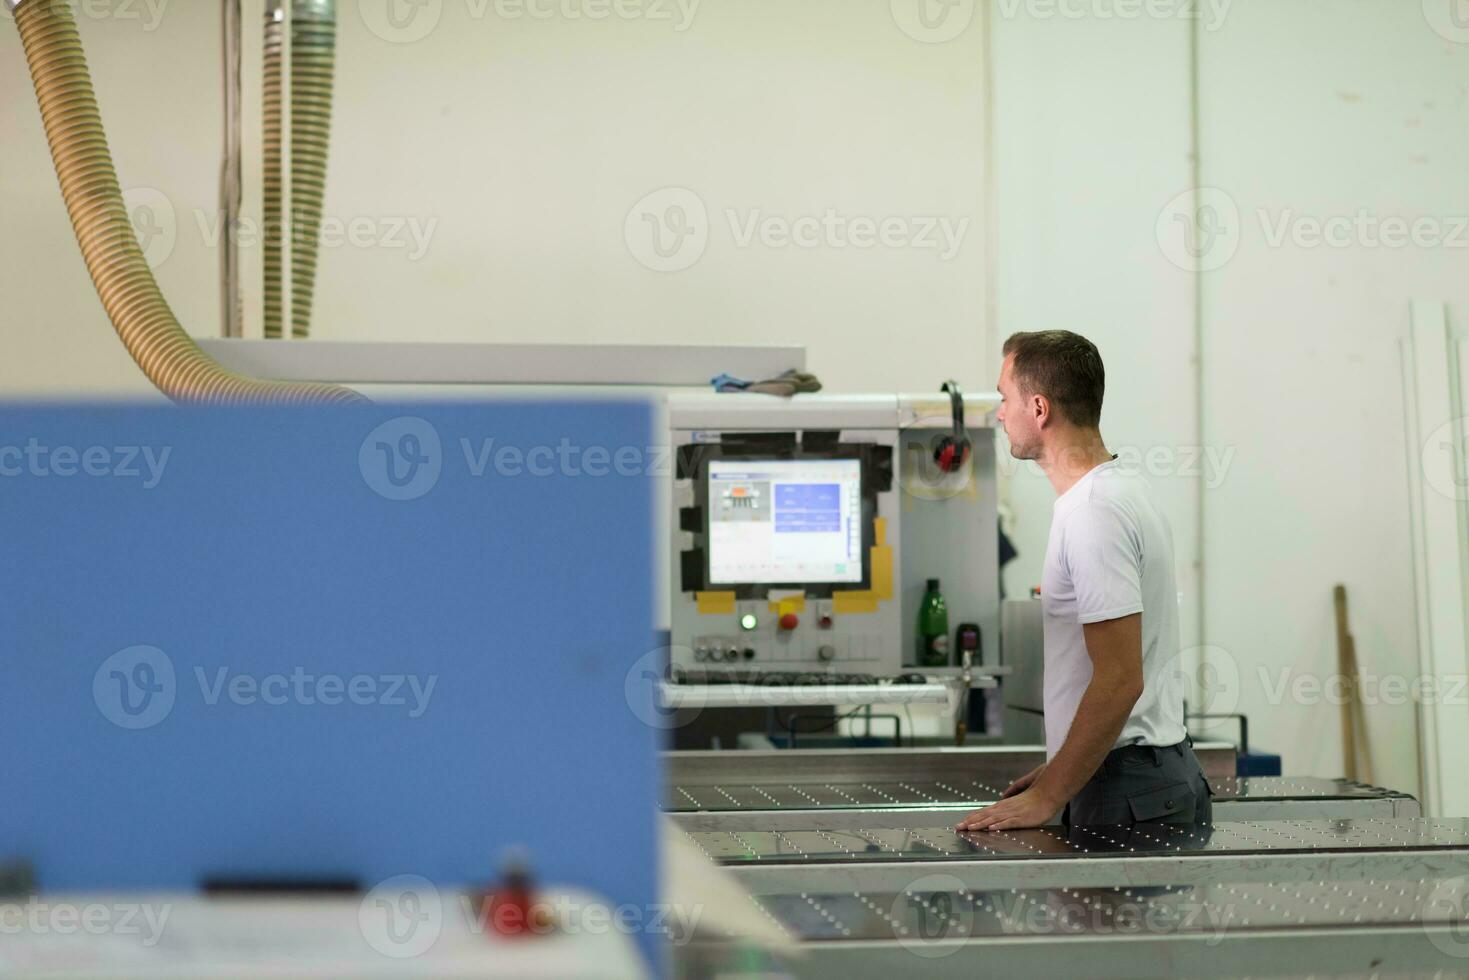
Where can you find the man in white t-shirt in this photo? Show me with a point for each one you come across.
(1117, 751)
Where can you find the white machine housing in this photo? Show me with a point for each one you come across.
(934, 525)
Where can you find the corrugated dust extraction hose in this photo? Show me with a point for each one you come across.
(313, 67)
(272, 188)
(313, 56)
(148, 328)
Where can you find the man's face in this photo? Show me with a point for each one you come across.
(1017, 416)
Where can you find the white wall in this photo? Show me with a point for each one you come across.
(1091, 130)
(1320, 108)
(520, 145)
(529, 142)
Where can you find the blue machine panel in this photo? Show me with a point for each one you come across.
(328, 642)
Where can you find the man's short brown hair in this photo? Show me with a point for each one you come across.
(1063, 366)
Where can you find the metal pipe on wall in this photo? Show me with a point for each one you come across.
(230, 179)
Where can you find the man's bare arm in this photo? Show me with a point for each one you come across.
(1116, 651)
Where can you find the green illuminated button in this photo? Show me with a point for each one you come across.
(748, 621)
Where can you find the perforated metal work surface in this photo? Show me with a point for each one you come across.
(933, 910)
(806, 796)
(776, 795)
(942, 843)
(1296, 788)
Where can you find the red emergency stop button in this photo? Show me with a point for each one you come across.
(790, 621)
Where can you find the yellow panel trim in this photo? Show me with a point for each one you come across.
(856, 603)
(715, 603)
(790, 604)
(853, 603)
(882, 572)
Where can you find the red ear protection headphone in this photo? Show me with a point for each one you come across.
(952, 451)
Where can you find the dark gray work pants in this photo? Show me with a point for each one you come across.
(1144, 784)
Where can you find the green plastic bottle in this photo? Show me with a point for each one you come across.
(933, 628)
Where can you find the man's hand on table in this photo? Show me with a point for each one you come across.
(1021, 805)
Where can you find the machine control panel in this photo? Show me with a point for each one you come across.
(798, 631)
(802, 530)
(732, 649)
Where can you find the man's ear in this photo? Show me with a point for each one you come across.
(1040, 407)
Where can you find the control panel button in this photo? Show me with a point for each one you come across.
(790, 621)
(827, 652)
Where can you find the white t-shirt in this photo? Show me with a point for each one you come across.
(1111, 555)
